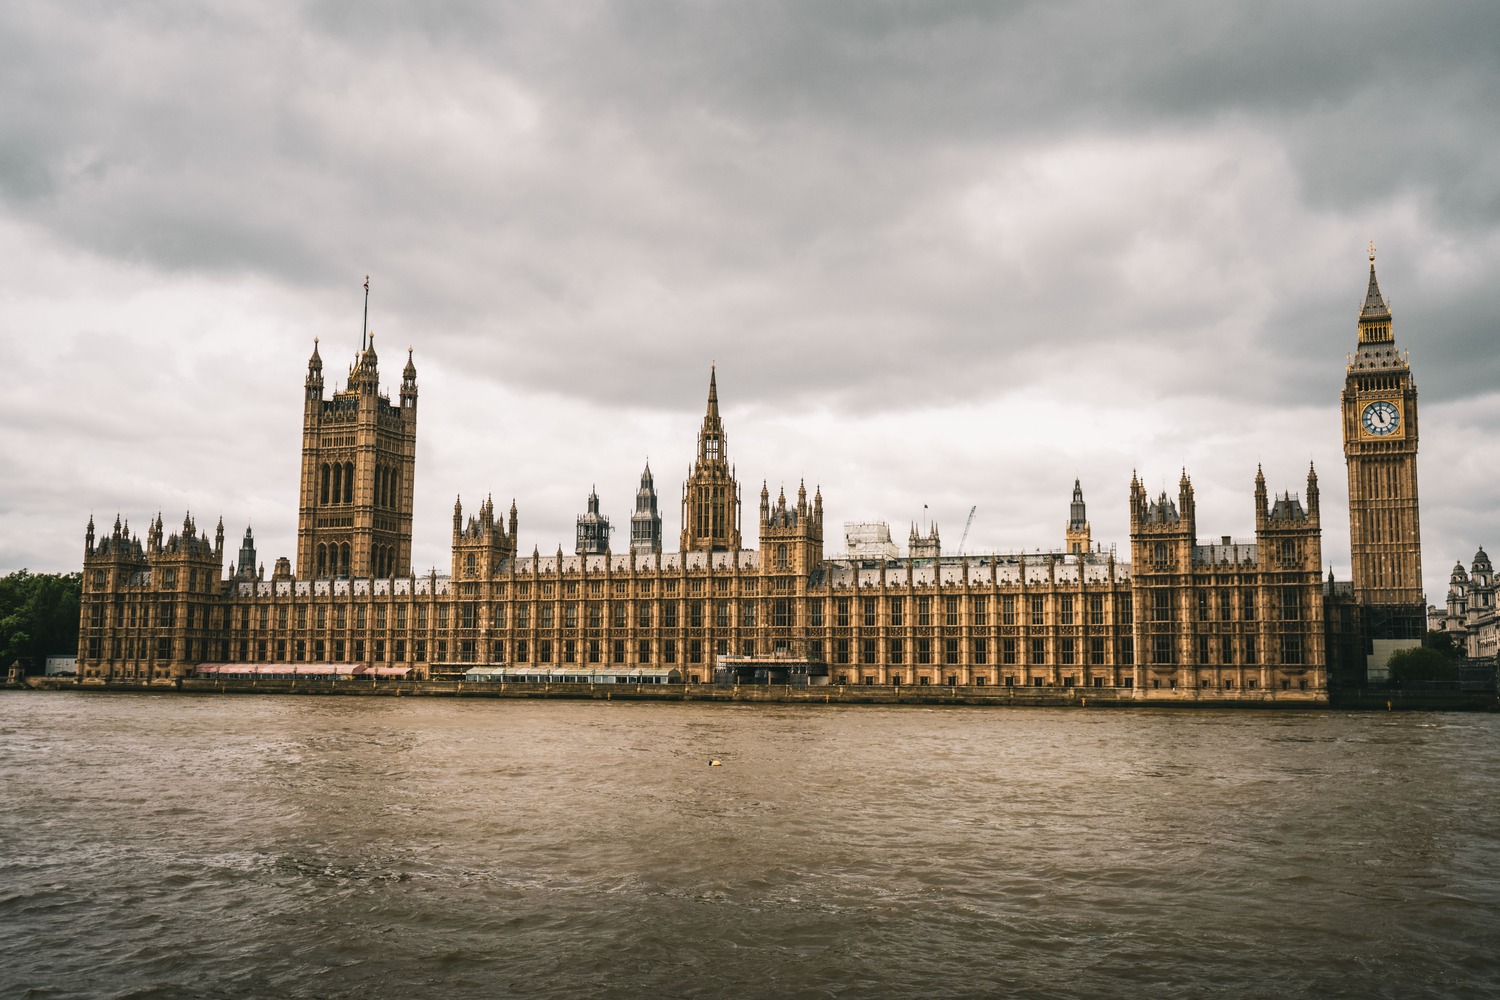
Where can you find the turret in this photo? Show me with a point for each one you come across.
(247, 555)
(645, 521)
(314, 383)
(1077, 534)
(1262, 504)
(409, 383)
(592, 535)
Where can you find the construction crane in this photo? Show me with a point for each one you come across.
(967, 525)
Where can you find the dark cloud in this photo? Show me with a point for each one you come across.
(857, 210)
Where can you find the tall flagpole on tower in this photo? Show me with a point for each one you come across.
(365, 329)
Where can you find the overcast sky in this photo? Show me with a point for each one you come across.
(948, 255)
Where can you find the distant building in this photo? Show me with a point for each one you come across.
(1470, 614)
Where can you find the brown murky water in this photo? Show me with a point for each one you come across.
(173, 846)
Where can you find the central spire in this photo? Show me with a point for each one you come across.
(711, 496)
(711, 443)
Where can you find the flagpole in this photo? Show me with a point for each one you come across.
(366, 327)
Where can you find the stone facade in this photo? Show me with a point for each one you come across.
(1470, 616)
(1181, 619)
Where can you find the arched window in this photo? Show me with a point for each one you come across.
(323, 549)
(348, 482)
(324, 491)
(344, 559)
(781, 556)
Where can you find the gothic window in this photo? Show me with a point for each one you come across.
(898, 611)
(781, 560)
(1038, 611)
(950, 610)
(1291, 604)
(1159, 555)
(323, 492)
(869, 609)
(1065, 609)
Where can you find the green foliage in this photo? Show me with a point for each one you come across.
(1442, 642)
(38, 616)
(1422, 664)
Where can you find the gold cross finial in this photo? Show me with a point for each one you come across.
(1372, 251)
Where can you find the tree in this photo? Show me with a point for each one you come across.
(38, 616)
(1421, 665)
(1443, 643)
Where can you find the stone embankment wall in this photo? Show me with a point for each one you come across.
(818, 695)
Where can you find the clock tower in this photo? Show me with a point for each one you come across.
(1380, 448)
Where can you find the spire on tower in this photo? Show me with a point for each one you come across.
(1375, 305)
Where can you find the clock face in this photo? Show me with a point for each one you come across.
(1381, 418)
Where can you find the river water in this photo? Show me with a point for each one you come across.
(180, 846)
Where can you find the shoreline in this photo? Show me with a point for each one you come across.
(921, 695)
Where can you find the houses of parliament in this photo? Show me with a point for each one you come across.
(1184, 617)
